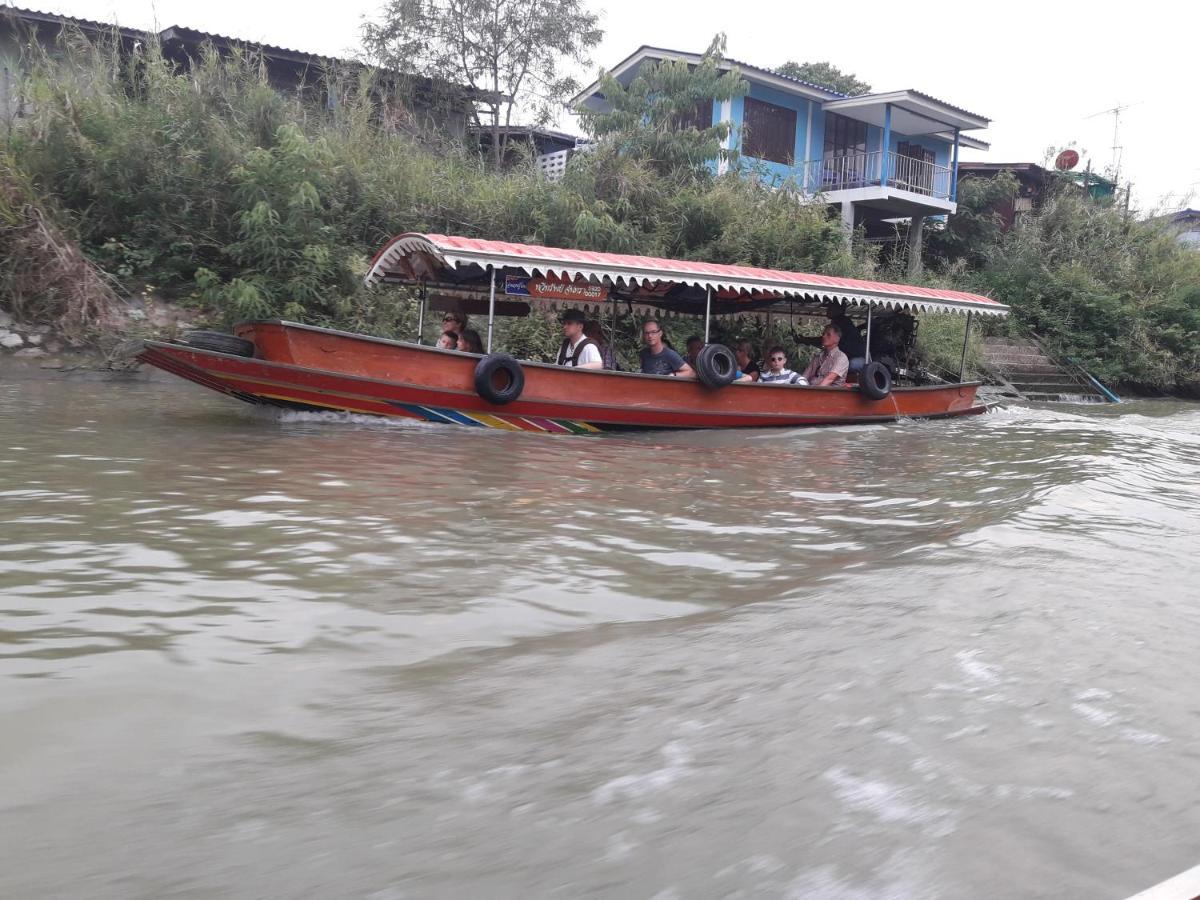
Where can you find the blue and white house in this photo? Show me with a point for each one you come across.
(878, 157)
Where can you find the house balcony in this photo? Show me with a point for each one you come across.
(894, 184)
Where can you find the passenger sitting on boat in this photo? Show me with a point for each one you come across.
(694, 345)
(454, 321)
(828, 368)
(469, 341)
(852, 343)
(777, 370)
(448, 341)
(595, 334)
(577, 349)
(659, 359)
(744, 351)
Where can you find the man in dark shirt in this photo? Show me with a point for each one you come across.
(852, 343)
(659, 359)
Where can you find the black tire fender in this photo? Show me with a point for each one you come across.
(716, 366)
(219, 342)
(875, 380)
(499, 378)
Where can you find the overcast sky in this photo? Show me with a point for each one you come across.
(1038, 70)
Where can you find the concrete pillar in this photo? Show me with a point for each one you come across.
(848, 220)
(914, 244)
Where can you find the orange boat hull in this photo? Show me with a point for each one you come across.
(305, 367)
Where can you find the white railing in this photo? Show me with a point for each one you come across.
(554, 165)
(860, 170)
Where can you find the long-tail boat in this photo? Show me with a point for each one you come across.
(299, 366)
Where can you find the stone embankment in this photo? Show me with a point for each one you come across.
(113, 348)
(30, 341)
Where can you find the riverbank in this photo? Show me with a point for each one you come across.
(108, 347)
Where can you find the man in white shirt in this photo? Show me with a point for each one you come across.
(577, 350)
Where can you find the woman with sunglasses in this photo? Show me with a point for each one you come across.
(454, 321)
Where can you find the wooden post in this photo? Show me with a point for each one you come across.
(962, 366)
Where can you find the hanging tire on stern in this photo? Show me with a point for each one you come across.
(875, 381)
(716, 366)
(219, 342)
(499, 378)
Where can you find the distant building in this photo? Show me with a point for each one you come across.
(1186, 225)
(550, 149)
(426, 105)
(1031, 186)
(877, 157)
(1033, 182)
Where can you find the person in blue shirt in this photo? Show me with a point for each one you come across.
(659, 359)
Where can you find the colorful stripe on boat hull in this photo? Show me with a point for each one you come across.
(497, 420)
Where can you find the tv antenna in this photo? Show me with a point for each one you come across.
(1115, 112)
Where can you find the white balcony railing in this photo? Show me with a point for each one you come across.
(860, 170)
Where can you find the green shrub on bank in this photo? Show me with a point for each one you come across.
(1120, 296)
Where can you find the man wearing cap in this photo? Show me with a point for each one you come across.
(577, 349)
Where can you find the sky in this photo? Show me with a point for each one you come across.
(1044, 73)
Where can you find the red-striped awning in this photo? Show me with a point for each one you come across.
(411, 257)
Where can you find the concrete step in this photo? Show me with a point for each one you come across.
(1007, 342)
(1031, 389)
(1031, 369)
(1043, 378)
(1017, 355)
(1063, 398)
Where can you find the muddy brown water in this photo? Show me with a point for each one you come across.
(261, 655)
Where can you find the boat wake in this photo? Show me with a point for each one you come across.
(334, 417)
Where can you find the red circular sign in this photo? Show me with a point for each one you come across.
(1068, 159)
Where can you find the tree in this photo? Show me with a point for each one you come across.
(664, 116)
(826, 75)
(509, 53)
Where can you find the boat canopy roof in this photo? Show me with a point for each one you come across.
(672, 283)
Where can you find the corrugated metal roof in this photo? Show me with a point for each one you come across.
(452, 251)
(958, 109)
(753, 68)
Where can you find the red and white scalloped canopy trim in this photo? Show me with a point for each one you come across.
(621, 269)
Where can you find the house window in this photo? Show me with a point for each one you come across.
(844, 137)
(770, 131)
(699, 118)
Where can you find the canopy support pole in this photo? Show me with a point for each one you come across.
(612, 324)
(491, 306)
(421, 313)
(867, 351)
(707, 310)
(962, 366)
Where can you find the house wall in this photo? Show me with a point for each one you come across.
(10, 74)
(776, 172)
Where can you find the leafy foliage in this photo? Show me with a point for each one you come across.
(827, 75)
(510, 54)
(1119, 296)
(658, 119)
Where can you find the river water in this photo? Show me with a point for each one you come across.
(287, 655)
